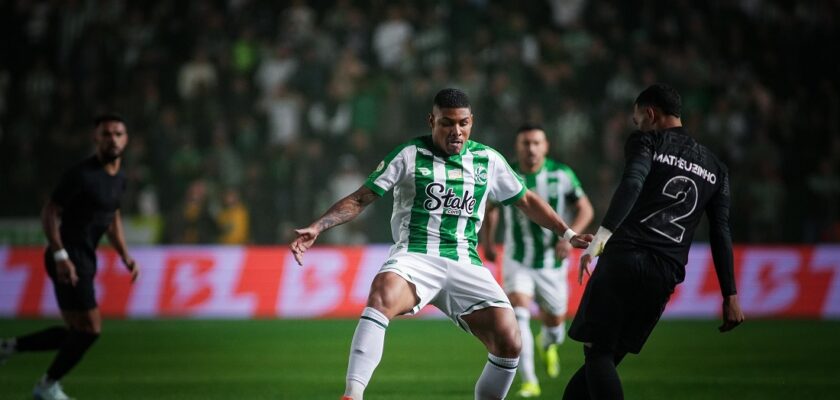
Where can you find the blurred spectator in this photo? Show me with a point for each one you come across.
(192, 221)
(233, 219)
(275, 70)
(284, 111)
(392, 38)
(197, 76)
(268, 96)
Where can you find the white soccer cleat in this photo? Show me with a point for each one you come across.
(7, 348)
(49, 391)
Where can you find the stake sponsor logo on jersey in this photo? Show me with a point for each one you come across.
(452, 204)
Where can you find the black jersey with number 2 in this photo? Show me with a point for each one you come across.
(668, 182)
(89, 198)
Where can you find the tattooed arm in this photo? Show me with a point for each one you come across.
(342, 211)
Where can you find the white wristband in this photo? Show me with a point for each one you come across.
(61, 255)
(569, 234)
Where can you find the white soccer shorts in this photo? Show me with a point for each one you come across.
(549, 286)
(455, 288)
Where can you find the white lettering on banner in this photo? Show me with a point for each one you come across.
(228, 264)
(689, 300)
(313, 289)
(13, 280)
(768, 282)
(146, 291)
(828, 259)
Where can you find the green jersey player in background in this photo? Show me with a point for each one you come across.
(535, 259)
(441, 185)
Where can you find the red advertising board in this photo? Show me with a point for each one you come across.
(246, 282)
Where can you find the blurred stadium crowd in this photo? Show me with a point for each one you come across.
(249, 117)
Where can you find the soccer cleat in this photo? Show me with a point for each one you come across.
(49, 391)
(552, 361)
(529, 390)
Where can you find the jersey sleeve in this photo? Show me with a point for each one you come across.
(390, 171)
(575, 190)
(639, 156)
(720, 237)
(68, 187)
(506, 186)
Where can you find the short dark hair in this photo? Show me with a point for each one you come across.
(452, 98)
(107, 117)
(529, 126)
(662, 96)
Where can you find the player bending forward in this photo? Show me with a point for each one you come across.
(441, 185)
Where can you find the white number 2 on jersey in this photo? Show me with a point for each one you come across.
(664, 222)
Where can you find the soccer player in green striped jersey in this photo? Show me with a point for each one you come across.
(535, 264)
(441, 185)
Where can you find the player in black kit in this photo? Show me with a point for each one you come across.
(84, 206)
(668, 181)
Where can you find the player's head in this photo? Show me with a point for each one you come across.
(657, 107)
(531, 145)
(110, 136)
(451, 120)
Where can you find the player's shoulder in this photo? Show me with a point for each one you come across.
(481, 148)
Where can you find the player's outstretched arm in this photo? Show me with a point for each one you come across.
(50, 221)
(342, 211)
(720, 239)
(537, 210)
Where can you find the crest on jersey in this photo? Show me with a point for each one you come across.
(424, 171)
(481, 175)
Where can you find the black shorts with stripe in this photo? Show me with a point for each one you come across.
(82, 296)
(624, 299)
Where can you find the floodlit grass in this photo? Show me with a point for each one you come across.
(424, 359)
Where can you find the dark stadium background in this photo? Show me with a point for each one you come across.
(288, 105)
(758, 79)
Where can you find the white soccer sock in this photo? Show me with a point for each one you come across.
(365, 351)
(526, 357)
(495, 380)
(553, 334)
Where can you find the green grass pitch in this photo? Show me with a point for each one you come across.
(424, 359)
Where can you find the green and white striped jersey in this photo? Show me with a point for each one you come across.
(439, 200)
(526, 242)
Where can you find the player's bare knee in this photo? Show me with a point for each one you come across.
(508, 343)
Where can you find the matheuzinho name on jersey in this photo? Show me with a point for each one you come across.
(689, 166)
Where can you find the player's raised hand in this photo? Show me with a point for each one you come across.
(305, 239)
(732, 314)
(581, 241)
(133, 268)
(585, 259)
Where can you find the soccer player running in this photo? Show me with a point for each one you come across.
(643, 242)
(84, 206)
(441, 185)
(535, 262)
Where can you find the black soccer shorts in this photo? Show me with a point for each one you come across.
(82, 296)
(624, 299)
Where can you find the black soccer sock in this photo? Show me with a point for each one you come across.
(70, 353)
(601, 375)
(47, 339)
(577, 389)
